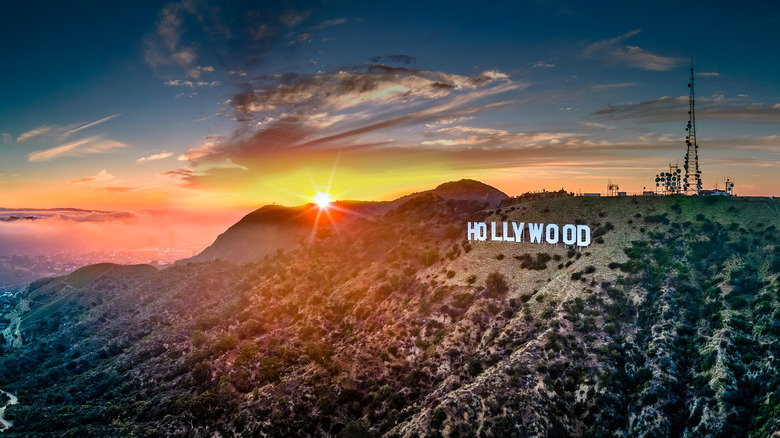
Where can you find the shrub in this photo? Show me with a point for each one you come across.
(437, 419)
(450, 273)
(201, 374)
(250, 328)
(462, 300)
(495, 284)
(226, 342)
(429, 257)
(471, 279)
(774, 267)
(474, 367)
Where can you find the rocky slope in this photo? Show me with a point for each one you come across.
(667, 325)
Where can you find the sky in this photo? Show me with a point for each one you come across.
(200, 106)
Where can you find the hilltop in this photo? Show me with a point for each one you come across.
(275, 228)
(667, 325)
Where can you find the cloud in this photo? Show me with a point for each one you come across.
(352, 109)
(598, 125)
(181, 172)
(612, 51)
(602, 87)
(60, 132)
(329, 23)
(707, 73)
(89, 125)
(352, 88)
(181, 83)
(101, 177)
(66, 214)
(395, 59)
(235, 35)
(543, 64)
(7, 138)
(486, 137)
(153, 157)
(91, 145)
(667, 109)
(35, 132)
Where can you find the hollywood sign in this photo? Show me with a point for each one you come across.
(575, 235)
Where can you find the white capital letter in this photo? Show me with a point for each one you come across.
(583, 235)
(552, 238)
(535, 230)
(569, 230)
(518, 229)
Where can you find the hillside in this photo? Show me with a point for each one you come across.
(666, 326)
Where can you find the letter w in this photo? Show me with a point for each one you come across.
(535, 230)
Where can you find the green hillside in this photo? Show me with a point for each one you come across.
(666, 326)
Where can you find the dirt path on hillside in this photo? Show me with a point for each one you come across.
(5, 424)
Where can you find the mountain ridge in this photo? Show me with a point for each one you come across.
(664, 326)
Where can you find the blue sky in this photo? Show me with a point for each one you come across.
(194, 103)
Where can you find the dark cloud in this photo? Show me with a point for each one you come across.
(395, 59)
(181, 172)
(669, 109)
(192, 35)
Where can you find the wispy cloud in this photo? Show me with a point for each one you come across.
(348, 89)
(60, 132)
(602, 87)
(329, 23)
(543, 64)
(7, 138)
(667, 109)
(91, 145)
(35, 132)
(469, 136)
(707, 73)
(612, 51)
(599, 126)
(153, 157)
(88, 125)
(185, 83)
(101, 177)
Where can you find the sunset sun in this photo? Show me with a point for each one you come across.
(322, 199)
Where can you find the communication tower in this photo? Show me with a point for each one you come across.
(729, 186)
(692, 179)
(612, 188)
(669, 183)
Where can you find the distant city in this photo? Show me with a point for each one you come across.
(15, 269)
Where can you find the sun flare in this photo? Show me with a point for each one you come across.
(323, 199)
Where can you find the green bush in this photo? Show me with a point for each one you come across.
(437, 419)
